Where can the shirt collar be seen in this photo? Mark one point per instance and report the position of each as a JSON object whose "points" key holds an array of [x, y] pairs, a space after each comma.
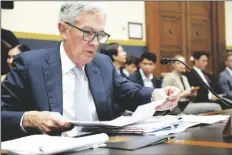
{"points": [[67, 64], [197, 69], [229, 70], [143, 75], [126, 72]]}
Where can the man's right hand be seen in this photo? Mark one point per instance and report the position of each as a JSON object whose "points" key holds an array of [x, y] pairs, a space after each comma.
{"points": [[46, 122]]}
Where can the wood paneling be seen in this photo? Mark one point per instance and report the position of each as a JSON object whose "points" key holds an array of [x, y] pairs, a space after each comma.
{"points": [[170, 6], [185, 27], [170, 31]]}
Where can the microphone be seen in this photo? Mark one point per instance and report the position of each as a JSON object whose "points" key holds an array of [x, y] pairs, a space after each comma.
{"points": [[169, 60]]}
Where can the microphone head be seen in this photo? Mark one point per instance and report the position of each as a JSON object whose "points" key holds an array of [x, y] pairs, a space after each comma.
{"points": [[165, 61]]}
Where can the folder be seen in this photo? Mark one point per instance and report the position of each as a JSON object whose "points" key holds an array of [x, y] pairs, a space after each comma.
{"points": [[135, 142]]}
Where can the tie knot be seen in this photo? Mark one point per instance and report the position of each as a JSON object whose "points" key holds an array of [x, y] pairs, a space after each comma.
{"points": [[77, 71]]}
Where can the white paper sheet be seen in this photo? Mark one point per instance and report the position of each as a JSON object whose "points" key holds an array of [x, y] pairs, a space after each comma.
{"points": [[141, 113], [44, 144]]}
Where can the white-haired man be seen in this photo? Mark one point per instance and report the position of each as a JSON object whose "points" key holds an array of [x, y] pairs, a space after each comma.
{"points": [[70, 81]]}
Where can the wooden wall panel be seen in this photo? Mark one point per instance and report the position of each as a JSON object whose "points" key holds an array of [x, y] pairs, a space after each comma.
{"points": [[185, 27], [200, 8], [170, 6], [170, 31]]}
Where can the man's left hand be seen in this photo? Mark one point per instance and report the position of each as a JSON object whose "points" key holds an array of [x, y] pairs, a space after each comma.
{"points": [[170, 94]]}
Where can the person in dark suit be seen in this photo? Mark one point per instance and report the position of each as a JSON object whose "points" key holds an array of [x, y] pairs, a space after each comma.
{"points": [[130, 66], [116, 53], [225, 77], [200, 64], [8, 41], [71, 81], [178, 79], [12, 53], [144, 76]]}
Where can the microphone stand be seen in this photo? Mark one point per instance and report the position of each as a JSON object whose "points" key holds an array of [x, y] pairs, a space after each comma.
{"points": [[227, 131], [204, 84]]}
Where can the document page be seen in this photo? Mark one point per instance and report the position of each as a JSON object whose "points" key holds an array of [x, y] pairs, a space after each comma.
{"points": [[141, 113], [45, 144]]}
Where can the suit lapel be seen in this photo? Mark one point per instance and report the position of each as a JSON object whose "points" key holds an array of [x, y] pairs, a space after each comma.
{"points": [[97, 90], [230, 79], [178, 82], [140, 79], [53, 81], [154, 82]]}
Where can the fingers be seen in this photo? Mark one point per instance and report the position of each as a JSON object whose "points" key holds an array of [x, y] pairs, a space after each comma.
{"points": [[49, 122], [167, 105], [174, 94]]}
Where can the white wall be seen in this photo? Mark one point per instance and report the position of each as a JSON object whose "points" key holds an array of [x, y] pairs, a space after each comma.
{"points": [[41, 17], [228, 13]]}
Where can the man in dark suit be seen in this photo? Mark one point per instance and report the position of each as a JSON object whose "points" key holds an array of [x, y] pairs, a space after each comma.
{"points": [[116, 53], [200, 64], [8, 41], [47, 87], [144, 76], [225, 77]]}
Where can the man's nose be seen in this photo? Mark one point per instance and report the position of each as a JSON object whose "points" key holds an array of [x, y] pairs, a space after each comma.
{"points": [[94, 42]]}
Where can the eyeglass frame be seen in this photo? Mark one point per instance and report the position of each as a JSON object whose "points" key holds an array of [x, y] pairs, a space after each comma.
{"points": [[85, 31]]}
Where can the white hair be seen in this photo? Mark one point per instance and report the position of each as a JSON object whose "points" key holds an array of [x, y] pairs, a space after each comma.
{"points": [[70, 10]]}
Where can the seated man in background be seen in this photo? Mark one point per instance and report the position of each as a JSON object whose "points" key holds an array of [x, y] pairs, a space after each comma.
{"points": [[12, 53], [185, 105], [200, 63], [71, 81], [144, 75], [130, 66], [8, 41], [116, 53], [225, 77]]}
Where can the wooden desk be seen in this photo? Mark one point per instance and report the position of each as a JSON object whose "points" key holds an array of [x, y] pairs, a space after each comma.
{"points": [[204, 140]]}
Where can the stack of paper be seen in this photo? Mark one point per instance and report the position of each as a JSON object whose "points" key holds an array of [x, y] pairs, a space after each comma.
{"points": [[45, 144], [142, 113], [188, 121], [141, 128]]}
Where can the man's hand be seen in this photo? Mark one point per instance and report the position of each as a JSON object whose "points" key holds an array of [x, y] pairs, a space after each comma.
{"points": [[46, 122], [214, 98], [170, 94]]}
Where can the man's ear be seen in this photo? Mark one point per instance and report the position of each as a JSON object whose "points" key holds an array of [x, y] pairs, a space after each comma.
{"points": [[62, 29]]}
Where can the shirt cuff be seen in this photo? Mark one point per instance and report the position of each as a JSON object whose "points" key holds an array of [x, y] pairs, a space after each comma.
{"points": [[210, 96], [21, 124]]}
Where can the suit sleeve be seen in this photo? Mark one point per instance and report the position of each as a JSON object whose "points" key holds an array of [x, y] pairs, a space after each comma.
{"points": [[128, 94], [225, 85], [13, 100]]}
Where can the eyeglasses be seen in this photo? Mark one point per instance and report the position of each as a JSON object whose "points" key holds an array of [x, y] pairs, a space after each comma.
{"points": [[89, 36]]}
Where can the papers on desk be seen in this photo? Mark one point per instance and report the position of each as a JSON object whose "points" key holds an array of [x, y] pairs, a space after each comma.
{"points": [[141, 128], [45, 144], [188, 121], [142, 113]]}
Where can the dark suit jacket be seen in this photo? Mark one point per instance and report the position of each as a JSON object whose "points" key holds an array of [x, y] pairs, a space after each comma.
{"points": [[225, 81], [202, 94], [137, 78], [35, 83]]}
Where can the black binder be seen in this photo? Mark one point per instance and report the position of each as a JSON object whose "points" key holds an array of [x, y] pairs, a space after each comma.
{"points": [[134, 142]]}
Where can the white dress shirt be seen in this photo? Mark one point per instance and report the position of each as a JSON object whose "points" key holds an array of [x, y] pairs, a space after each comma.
{"points": [[68, 83], [229, 70], [204, 79], [146, 80], [126, 72]]}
